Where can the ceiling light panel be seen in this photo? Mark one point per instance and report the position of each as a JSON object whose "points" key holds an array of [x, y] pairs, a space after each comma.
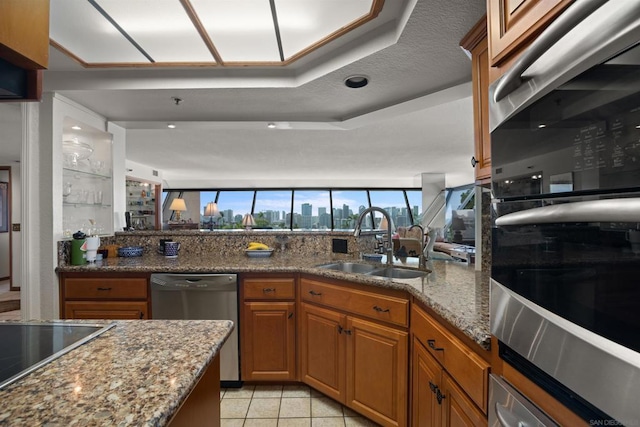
{"points": [[161, 27], [242, 30], [84, 32], [305, 23]]}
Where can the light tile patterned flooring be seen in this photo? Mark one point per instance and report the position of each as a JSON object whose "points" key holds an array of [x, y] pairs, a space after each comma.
{"points": [[284, 406]]}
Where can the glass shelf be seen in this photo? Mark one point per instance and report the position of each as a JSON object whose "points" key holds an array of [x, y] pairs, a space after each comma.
{"points": [[92, 205], [85, 174]]}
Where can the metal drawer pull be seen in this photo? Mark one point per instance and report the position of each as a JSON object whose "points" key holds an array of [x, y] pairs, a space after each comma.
{"points": [[439, 396], [315, 294], [432, 345], [433, 387], [380, 310], [267, 290], [290, 315], [104, 289], [347, 331], [141, 315], [340, 329]]}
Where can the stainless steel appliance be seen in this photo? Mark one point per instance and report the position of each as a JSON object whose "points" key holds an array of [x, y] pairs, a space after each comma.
{"points": [[566, 237], [507, 407], [201, 297]]}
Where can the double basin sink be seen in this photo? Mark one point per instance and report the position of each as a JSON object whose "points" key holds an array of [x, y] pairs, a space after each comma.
{"points": [[375, 270]]}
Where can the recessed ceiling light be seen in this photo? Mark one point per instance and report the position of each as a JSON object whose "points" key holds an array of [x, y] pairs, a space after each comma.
{"points": [[356, 82], [76, 127], [271, 125], [171, 126], [542, 125]]}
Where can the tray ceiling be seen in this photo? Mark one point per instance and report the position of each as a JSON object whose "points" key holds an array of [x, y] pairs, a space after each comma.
{"points": [[125, 33]]}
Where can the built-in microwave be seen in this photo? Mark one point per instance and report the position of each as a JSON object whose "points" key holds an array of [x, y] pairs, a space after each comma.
{"points": [[565, 148]]}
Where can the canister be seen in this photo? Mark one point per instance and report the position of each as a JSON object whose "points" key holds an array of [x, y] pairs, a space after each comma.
{"points": [[79, 251]]}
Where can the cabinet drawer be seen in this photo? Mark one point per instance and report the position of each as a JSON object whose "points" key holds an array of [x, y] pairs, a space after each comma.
{"points": [[465, 366], [106, 310], [105, 288], [269, 288], [380, 307]]}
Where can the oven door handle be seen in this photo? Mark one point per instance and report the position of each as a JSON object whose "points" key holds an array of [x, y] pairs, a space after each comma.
{"points": [[506, 418], [606, 210], [574, 14]]}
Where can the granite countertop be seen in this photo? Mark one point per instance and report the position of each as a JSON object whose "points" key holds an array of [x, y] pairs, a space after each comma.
{"points": [[453, 289], [135, 374]]}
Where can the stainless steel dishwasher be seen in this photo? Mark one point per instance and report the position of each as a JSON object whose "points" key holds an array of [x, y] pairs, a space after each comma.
{"points": [[201, 297]]}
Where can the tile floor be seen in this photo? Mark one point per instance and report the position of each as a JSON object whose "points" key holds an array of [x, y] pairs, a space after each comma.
{"points": [[284, 406]]}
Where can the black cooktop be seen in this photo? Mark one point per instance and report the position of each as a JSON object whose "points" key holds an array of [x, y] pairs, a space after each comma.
{"points": [[25, 347]]}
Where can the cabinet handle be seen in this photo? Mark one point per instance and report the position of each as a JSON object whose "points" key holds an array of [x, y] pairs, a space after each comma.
{"points": [[340, 329], [104, 289], [315, 294], [347, 331], [432, 345], [432, 387], [141, 315], [290, 315], [380, 310], [474, 162], [267, 290], [439, 396]]}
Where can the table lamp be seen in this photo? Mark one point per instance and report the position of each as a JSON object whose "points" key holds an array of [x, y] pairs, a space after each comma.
{"points": [[248, 221], [211, 210], [178, 205]]}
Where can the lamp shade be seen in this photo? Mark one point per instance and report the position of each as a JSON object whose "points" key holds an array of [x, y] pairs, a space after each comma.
{"points": [[211, 209], [178, 205], [248, 221], [384, 224]]}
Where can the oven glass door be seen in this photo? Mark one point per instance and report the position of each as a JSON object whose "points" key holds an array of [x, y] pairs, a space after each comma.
{"points": [[584, 272], [583, 136]]}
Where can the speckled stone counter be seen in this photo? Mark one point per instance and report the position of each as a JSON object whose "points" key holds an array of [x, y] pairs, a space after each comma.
{"points": [[136, 374], [454, 290]]}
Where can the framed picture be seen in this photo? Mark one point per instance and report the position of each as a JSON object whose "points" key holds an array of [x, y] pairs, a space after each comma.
{"points": [[4, 207]]}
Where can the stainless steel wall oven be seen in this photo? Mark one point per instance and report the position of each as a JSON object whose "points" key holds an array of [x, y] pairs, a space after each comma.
{"points": [[565, 301]]}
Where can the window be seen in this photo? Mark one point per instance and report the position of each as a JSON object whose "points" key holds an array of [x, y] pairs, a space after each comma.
{"points": [[272, 209], [460, 215], [311, 210], [347, 205], [233, 205], [304, 209]]}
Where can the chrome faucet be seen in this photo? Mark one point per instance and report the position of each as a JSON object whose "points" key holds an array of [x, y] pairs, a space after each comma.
{"points": [[363, 214]]}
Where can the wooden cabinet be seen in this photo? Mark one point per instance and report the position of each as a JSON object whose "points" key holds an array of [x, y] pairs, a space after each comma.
{"points": [[475, 42], [449, 380], [357, 361], [323, 350], [513, 23], [268, 328], [426, 375], [104, 296]]}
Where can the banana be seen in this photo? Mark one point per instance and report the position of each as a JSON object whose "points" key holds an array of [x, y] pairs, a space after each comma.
{"points": [[257, 246]]}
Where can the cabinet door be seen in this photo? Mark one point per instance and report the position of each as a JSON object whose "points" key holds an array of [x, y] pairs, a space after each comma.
{"points": [[426, 380], [514, 22], [322, 350], [268, 341], [106, 310], [459, 410], [377, 371], [480, 82]]}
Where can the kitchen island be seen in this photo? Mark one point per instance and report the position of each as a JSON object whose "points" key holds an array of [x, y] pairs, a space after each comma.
{"points": [[139, 373]]}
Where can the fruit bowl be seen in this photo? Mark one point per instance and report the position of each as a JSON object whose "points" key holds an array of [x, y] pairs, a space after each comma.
{"points": [[258, 253]]}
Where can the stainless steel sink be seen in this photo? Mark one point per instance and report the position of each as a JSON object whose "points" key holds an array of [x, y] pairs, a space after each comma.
{"points": [[375, 270], [398, 273], [350, 267]]}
